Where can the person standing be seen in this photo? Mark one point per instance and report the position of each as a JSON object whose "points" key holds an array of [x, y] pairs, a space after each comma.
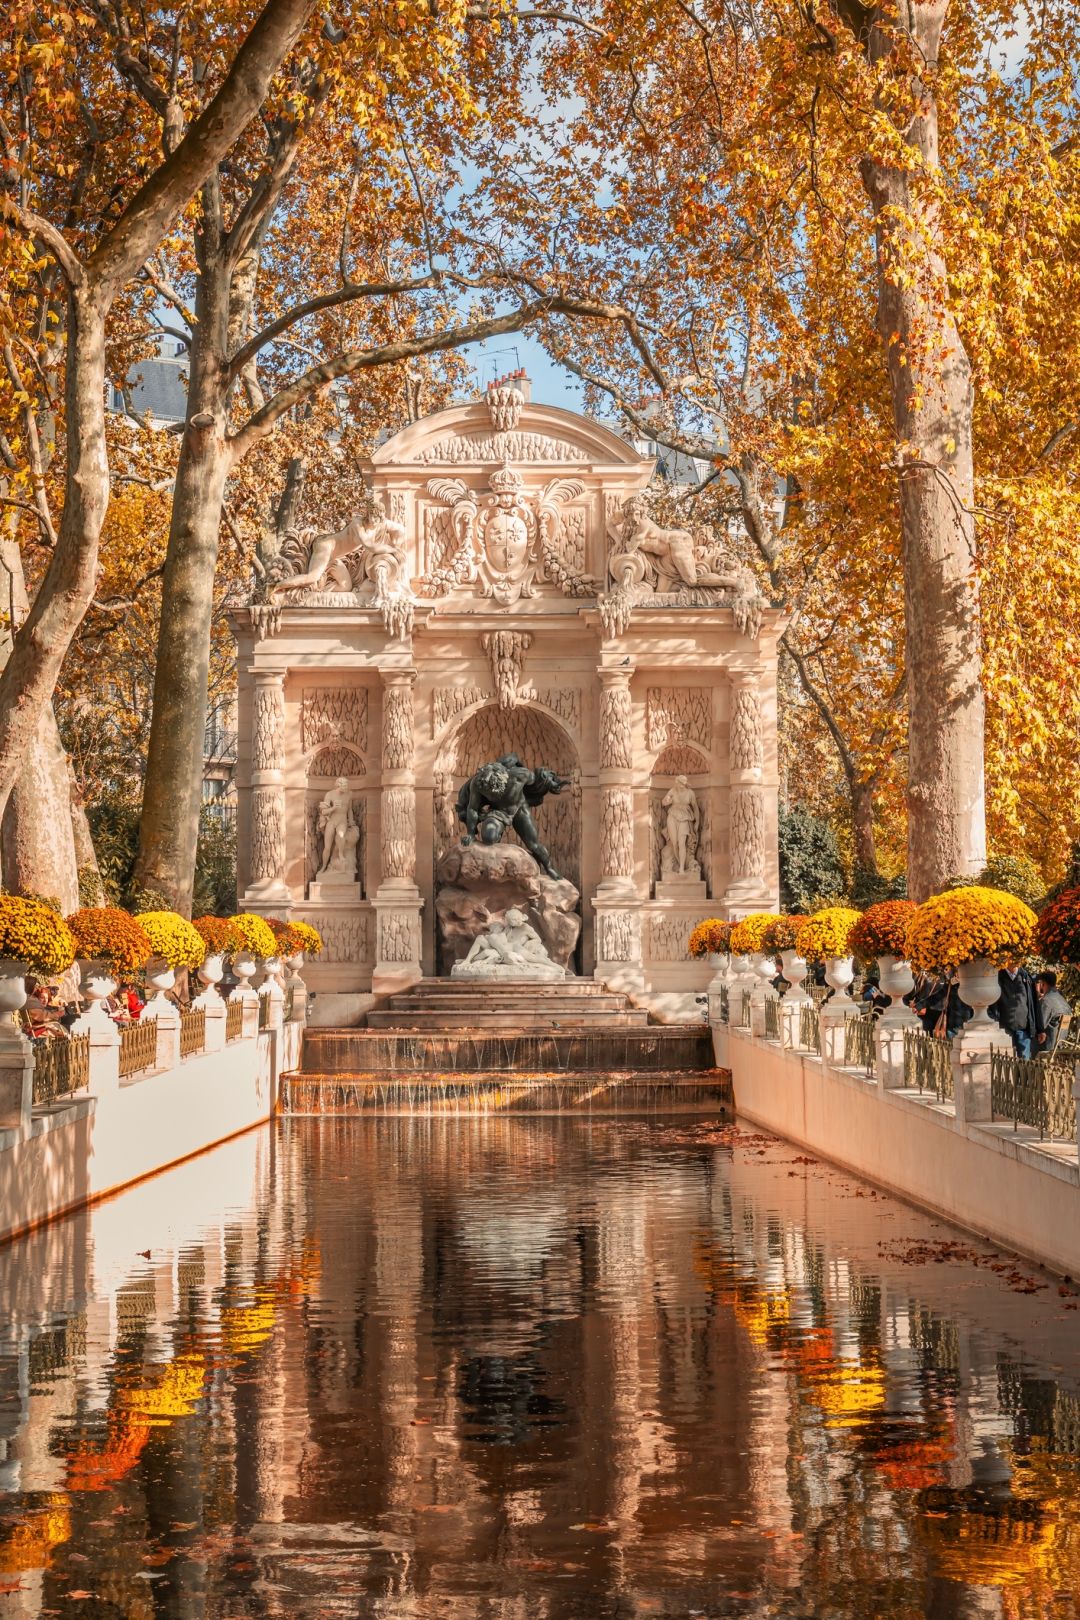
{"points": [[1052, 1005], [1018, 1010]]}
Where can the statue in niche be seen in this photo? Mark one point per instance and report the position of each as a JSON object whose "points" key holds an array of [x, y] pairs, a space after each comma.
{"points": [[340, 834], [504, 794], [510, 948], [682, 825]]}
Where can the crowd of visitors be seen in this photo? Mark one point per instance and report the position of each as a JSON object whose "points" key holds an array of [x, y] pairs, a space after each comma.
{"points": [[1030, 1009], [47, 1016]]}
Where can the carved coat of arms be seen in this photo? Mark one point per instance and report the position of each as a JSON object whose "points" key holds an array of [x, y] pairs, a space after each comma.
{"points": [[507, 535]]}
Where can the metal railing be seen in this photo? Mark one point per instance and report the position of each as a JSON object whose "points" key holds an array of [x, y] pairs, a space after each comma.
{"points": [[1035, 1092], [234, 1020], [860, 1051], [61, 1067], [264, 1012], [810, 1027], [928, 1064], [772, 1018], [192, 1031], [744, 1010], [138, 1047]]}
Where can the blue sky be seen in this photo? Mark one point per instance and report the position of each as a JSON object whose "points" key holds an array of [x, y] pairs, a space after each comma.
{"points": [[552, 385]]}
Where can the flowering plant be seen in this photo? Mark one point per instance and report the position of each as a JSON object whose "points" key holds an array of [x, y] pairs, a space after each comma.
{"points": [[107, 934], [1057, 937], [711, 937], [882, 930], [173, 938], [33, 933], [299, 938], [962, 925], [827, 934], [748, 935], [781, 934], [218, 935], [255, 935]]}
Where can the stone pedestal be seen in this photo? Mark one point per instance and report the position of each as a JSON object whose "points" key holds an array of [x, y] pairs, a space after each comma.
{"points": [[477, 884], [791, 1022], [329, 891], [971, 1051], [684, 887], [16, 1080], [833, 1019], [889, 1044], [397, 937]]}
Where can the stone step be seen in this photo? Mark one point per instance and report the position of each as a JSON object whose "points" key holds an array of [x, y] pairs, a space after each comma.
{"points": [[585, 988], [506, 1003], [599, 1049], [496, 1017], [707, 1091]]}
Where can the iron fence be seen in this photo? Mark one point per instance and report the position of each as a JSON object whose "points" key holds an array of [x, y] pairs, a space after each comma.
{"points": [[928, 1064], [234, 1020], [61, 1067], [744, 1010], [725, 1005], [772, 1018], [1035, 1092], [264, 1012], [810, 1027], [859, 1048], [138, 1047], [192, 1031]]}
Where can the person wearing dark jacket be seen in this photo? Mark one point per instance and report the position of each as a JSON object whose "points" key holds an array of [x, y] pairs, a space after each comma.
{"points": [[1018, 1010], [940, 1008]]}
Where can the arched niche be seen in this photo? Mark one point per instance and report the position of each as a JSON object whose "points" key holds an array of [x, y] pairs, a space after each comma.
{"points": [[537, 739], [679, 759]]}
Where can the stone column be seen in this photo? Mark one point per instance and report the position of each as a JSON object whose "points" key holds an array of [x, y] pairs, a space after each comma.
{"points": [[617, 903], [397, 900], [747, 861], [266, 886]]}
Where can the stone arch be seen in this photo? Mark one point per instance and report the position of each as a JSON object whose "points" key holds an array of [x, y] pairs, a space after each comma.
{"points": [[332, 759], [679, 759], [536, 736]]}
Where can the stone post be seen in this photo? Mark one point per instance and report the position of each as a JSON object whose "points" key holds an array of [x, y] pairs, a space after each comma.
{"points": [[617, 904], [16, 1078], [216, 1013], [104, 1061], [397, 900], [747, 855], [166, 1015], [266, 873], [889, 1044], [250, 999], [833, 1040], [971, 1051]]}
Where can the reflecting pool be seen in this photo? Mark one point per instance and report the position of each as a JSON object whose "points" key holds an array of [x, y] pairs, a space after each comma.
{"points": [[530, 1369]]}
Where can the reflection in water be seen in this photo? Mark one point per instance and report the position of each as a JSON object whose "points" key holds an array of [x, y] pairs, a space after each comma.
{"points": [[529, 1369]]}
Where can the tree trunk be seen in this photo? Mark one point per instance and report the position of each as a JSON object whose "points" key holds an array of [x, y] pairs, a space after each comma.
{"points": [[169, 826], [36, 837], [932, 399], [862, 827], [33, 664], [37, 846]]}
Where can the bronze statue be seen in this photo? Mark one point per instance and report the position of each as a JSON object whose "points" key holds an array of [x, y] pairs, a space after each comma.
{"points": [[504, 794]]}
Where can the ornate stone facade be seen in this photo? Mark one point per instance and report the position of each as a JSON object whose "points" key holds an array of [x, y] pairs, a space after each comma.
{"points": [[506, 590]]}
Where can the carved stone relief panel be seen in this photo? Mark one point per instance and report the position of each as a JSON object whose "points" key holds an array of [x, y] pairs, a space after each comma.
{"points": [[669, 936], [397, 726], [616, 832], [346, 935], [460, 448], [616, 736], [267, 834], [399, 936], [439, 538], [268, 731], [313, 838], [399, 832], [506, 649], [336, 759], [618, 936], [745, 743], [334, 714], [747, 833], [447, 702], [678, 714]]}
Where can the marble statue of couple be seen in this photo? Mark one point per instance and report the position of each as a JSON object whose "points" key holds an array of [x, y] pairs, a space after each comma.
{"points": [[509, 944]]}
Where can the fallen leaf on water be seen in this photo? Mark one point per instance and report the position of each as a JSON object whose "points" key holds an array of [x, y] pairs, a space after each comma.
{"points": [[593, 1525], [419, 1423], [79, 1593]]}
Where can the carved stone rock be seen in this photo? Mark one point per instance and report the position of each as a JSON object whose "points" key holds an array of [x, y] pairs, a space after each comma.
{"points": [[616, 736], [745, 744], [747, 833], [616, 833], [267, 835], [481, 882], [678, 714]]}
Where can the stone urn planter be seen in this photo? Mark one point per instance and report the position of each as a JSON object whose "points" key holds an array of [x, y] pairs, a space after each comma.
{"points": [[98, 984], [273, 970], [13, 976], [794, 968], [839, 972], [765, 968], [979, 988], [212, 971], [160, 978], [896, 980], [244, 966]]}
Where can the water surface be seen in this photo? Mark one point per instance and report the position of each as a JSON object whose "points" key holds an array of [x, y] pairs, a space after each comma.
{"points": [[530, 1369]]}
